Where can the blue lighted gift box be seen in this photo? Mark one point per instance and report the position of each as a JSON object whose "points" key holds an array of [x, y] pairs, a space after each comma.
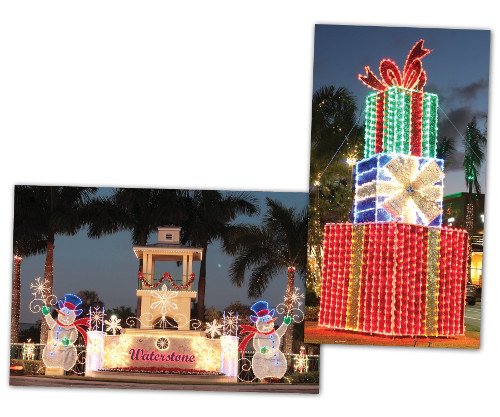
{"points": [[400, 188]]}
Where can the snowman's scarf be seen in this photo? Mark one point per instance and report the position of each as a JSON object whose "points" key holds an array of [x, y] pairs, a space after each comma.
{"points": [[78, 324], [252, 331]]}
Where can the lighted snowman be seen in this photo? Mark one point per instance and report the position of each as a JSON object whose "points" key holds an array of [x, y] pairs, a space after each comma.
{"points": [[268, 361], [60, 350]]}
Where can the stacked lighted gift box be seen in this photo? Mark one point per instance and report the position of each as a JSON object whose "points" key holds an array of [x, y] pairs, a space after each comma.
{"points": [[395, 271]]}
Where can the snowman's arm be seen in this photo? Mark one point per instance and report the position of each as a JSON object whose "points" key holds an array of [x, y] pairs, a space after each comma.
{"points": [[256, 344], [50, 321], [73, 335], [282, 330]]}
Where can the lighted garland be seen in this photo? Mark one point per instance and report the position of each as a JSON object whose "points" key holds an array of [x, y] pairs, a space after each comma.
{"points": [[159, 370], [166, 276]]}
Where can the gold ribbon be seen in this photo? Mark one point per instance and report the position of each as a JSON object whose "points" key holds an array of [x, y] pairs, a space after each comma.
{"points": [[354, 291]]}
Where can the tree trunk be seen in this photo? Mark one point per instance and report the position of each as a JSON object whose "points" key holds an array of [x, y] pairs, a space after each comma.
{"points": [[48, 276], [200, 307], [16, 300], [290, 287]]}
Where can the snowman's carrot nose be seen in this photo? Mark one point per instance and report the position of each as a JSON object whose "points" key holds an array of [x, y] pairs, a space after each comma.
{"points": [[273, 320], [60, 312]]}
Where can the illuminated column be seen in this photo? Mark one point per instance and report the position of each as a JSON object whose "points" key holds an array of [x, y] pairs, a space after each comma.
{"points": [[190, 264], [152, 268], [184, 269], [94, 353], [229, 356]]}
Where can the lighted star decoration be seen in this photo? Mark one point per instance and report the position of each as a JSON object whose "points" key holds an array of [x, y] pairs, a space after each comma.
{"points": [[39, 288], [166, 300], [413, 190], [96, 317], [113, 324], [213, 329], [230, 323]]}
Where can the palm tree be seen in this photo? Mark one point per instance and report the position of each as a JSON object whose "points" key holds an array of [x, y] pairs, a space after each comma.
{"points": [[25, 244], [51, 211], [123, 313], [278, 245], [336, 143], [445, 150], [139, 210], [474, 155], [474, 144], [89, 299], [209, 217]]}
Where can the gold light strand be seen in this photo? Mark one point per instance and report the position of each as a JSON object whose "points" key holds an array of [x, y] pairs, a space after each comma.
{"points": [[353, 297]]}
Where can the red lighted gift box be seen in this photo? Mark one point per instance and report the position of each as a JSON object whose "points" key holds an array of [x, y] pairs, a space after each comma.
{"points": [[394, 279]]}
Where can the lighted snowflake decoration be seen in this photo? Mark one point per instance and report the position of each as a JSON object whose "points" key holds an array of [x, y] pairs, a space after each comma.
{"points": [[116, 355], [28, 350], [113, 324], [166, 300], [213, 329], [162, 343], [230, 323], [96, 317], [295, 297], [207, 357], [39, 288]]}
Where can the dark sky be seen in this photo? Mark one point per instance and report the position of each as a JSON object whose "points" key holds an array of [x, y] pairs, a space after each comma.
{"points": [[109, 267], [457, 70]]}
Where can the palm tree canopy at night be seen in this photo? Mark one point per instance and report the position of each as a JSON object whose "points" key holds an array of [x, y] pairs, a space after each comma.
{"points": [[45, 212], [268, 250], [474, 144], [209, 217]]}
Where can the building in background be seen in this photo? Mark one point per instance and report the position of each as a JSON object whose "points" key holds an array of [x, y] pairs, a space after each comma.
{"points": [[454, 209]]}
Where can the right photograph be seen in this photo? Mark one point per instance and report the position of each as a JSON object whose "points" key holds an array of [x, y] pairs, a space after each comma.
{"points": [[397, 186]]}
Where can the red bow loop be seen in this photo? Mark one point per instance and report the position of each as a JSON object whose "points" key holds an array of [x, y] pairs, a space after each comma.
{"points": [[390, 73], [417, 52], [371, 80]]}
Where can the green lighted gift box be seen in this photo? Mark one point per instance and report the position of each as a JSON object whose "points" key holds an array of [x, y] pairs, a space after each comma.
{"points": [[399, 120]]}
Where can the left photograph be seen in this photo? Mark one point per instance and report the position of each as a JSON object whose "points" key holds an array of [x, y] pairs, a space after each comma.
{"points": [[160, 289]]}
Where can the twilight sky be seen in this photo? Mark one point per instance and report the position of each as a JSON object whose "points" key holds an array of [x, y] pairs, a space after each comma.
{"points": [[457, 70], [109, 267]]}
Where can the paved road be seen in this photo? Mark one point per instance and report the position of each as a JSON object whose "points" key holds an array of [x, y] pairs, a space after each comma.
{"points": [[473, 315], [43, 381]]}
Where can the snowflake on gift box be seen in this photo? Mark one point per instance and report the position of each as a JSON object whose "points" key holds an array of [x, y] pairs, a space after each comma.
{"points": [[213, 329], [166, 300], [113, 324]]}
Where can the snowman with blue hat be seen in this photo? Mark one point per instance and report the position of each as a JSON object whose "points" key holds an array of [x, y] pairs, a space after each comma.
{"points": [[60, 350], [268, 361]]}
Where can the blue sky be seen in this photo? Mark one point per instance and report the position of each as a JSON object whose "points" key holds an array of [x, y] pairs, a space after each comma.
{"points": [[457, 70]]}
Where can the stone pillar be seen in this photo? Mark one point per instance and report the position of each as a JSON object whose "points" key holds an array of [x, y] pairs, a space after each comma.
{"points": [[94, 353], [229, 356]]}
